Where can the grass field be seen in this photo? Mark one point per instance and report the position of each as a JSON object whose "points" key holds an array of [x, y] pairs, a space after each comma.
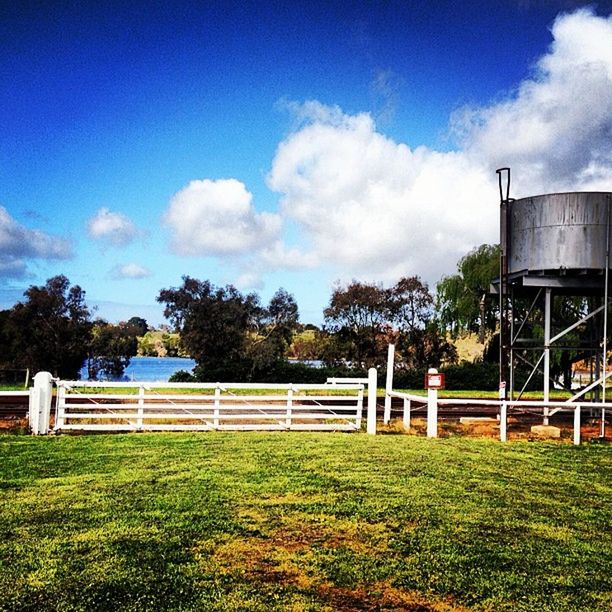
{"points": [[294, 521]]}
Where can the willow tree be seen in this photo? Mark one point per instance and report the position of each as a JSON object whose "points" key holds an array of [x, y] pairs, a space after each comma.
{"points": [[462, 300]]}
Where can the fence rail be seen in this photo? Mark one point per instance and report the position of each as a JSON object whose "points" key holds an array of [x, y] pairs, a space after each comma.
{"points": [[207, 406], [431, 402]]}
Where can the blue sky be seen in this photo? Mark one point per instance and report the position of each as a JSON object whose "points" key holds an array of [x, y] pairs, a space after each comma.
{"points": [[289, 144]]}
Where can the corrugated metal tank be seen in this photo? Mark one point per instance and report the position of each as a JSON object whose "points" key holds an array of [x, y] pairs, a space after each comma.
{"points": [[558, 231]]}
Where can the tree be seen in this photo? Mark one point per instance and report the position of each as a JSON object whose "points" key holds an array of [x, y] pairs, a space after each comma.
{"points": [[50, 330], [357, 315], [139, 325], [111, 349], [364, 319], [461, 298], [411, 304], [226, 332], [278, 323], [212, 321]]}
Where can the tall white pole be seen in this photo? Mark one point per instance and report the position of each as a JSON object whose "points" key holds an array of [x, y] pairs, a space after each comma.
{"points": [[602, 431], [389, 382]]}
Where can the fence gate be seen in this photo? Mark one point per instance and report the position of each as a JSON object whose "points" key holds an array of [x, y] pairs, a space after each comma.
{"points": [[107, 406]]}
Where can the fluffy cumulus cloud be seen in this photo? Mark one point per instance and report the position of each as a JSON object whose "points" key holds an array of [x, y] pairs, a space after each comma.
{"points": [[130, 271], [217, 217], [111, 228], [556, 129], [18, 244], [363, 205], [375, 207], [378, 209]]}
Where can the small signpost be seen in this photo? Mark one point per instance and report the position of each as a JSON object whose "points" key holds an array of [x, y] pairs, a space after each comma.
{"points": [[434, 380]]}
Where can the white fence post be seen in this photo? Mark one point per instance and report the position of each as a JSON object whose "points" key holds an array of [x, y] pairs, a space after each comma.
{"points": [[503, 413], [217, 410], [141, 401], [359, 414], [432, 409], [372, 386], [406, 414], [289, 407], [577, 425], [389, 382], [40, 403], [60, 402]]}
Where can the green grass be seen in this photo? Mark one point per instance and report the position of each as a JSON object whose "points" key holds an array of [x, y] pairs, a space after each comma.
{"points": [[555, 394], [291, 521], [11, 387]]}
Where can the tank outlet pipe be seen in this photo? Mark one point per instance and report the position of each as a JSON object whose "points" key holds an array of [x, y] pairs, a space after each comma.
{"points": [[605, 338], [503, 175]]}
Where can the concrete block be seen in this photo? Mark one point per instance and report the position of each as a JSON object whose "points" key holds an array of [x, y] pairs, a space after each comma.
{"points": [[478, 421], [546, 431]]}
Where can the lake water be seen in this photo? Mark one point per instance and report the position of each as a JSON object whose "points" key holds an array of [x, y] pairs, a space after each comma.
{"points": [[152, 369]]}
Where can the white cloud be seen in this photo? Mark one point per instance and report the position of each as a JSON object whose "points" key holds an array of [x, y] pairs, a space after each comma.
{"points": [[555, 131], [277, 256], [375, 208], [249, 280], [18, 243], [384, 91], [365, 206], [217, 218], [111, 227], [130, 271]]}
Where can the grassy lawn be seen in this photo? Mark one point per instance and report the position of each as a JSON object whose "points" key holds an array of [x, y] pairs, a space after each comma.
{"points": [[291, 521]]}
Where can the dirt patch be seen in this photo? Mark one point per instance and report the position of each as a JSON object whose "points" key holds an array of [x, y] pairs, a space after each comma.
{"points": [[287, 556], [381, 597], [15, 424]]}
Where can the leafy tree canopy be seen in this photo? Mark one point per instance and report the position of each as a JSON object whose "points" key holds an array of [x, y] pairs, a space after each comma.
{"points": [[111, 349], [226, 331], [50, 330], [139, 325], [364, 318], [461, 300]]}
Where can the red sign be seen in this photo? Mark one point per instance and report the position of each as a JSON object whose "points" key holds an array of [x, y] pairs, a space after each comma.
{"points": [[434, 381]]}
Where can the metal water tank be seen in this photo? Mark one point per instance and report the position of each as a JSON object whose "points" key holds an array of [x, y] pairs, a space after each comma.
{"points": [[558, 232]]}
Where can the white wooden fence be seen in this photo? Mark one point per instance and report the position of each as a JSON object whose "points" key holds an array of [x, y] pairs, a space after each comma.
{"points": [[106, 406], [430, 402], [419, 401]]}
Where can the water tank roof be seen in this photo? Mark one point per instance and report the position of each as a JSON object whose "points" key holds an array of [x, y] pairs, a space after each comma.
{"points": [[559, 234]]}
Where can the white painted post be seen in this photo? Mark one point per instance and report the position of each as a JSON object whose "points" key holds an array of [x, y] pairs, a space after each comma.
{"points": [[141, 399], [60, 407], [40, 403], [503, 413], [406, 414], [33, 402], [359, 409], [432, 409], [577, 425], [217, 406], [389, 382], [289, 407], [372, 386]]}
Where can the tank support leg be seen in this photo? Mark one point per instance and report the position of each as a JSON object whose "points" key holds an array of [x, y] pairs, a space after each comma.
{"points": [[547, 316]]}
